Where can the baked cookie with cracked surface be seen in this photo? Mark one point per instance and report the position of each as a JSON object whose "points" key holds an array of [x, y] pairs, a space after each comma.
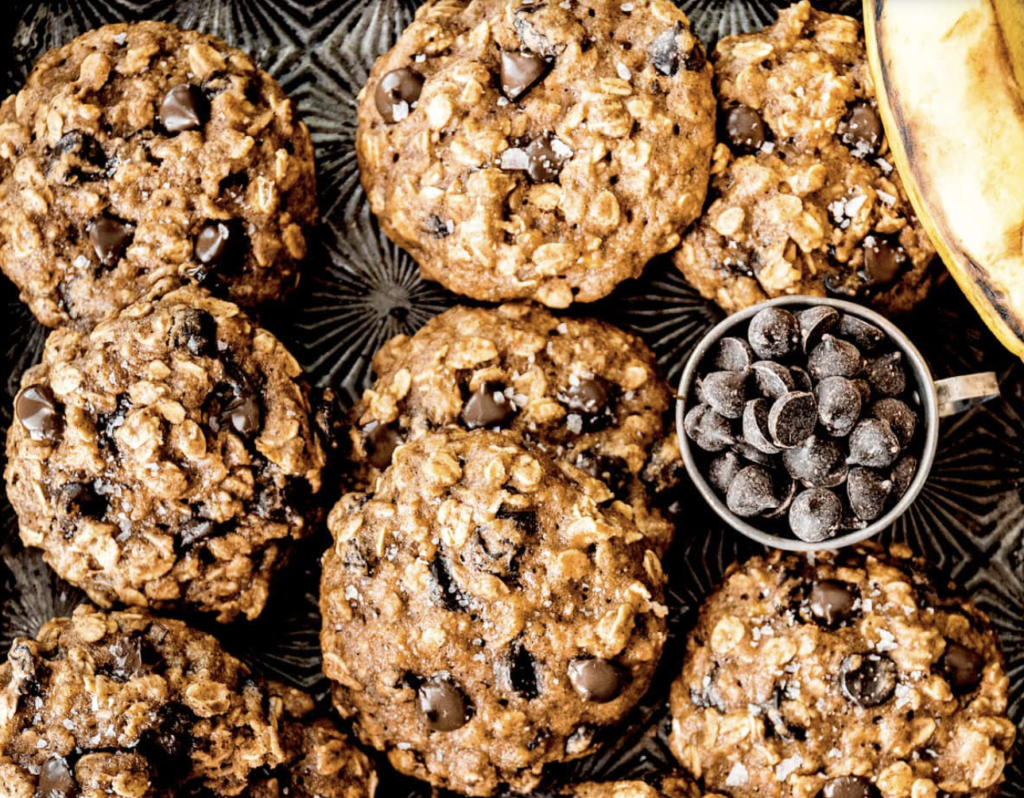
{"points": [[125, 704], [586, 392], [483, 615], [538, 150], [850, 675], [804, 198], [167, 458], [141, 157]]}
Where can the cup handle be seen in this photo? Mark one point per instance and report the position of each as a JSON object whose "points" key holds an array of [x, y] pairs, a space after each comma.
{"points": [[957, 394]]}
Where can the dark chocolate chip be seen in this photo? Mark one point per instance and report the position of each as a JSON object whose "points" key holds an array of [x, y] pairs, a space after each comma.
{"points": [[785, 490], [897, 415], [379, 443], [751, 454], [862, 130], [755, 426], [219, 242], [56, 779], [849, 787], [445, 591], [82, 499], [839, 405], [772, 379], [865, 335], [744, 129], [110, 237], [80, 157], [792, 419], [396, 94], [166, 746], [726, 392], [443, 705], [613, 471], [519, 71], [706, 428], [815, 515], [37, 411], [597, 680], [664, 51], [488, 406], [886, 375], [873, 444], [184, 108], [814, 323], [194, 329], [723, 470], [882, 260], [868, 680], [591, 399], [963, 668], [833, 602], [868, 492], [834, 357], [865, 391], [193, 531], [522, 672], [801, 379], [752, 492], [126, 658], [774, 333], [902, 475], [817, 462], [545, 157], [731, 354], [242, 414]]}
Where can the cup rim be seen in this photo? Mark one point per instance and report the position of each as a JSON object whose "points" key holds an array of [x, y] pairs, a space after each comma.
{"points": [[925, 388]]}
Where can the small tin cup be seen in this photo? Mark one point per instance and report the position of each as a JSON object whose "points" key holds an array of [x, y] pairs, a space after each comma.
{"points": [[938, 398]]}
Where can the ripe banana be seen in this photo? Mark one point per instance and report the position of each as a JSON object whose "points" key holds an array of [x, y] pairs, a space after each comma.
{"points": [[948, 77]]}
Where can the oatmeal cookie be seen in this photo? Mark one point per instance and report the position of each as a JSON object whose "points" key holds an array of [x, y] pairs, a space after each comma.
{"points": [[125, 704], [538, 150], [167, 458], [657, 786], [587, 393], [849, 674], [142, 157], [804, 198], [483, 615]]}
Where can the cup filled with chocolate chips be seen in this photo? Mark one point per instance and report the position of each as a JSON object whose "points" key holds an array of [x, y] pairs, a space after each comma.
{"points": [[811, 423]]}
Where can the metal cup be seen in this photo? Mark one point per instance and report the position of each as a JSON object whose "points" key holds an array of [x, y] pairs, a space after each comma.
{"points": [[938, 398]]}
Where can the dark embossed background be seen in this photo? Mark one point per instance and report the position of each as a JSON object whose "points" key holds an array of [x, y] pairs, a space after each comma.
{"points": [[361, 289]]}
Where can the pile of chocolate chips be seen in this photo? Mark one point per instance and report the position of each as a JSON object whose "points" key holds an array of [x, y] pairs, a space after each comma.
{"points": [[811, 417]]}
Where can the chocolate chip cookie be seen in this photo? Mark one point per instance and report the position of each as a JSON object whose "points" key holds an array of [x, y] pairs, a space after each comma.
{"points": [[538, 150], [129, 705], [483, 615], [142, 157], [850, 674], [584, 391], [804, 198], [165, 459], [658, 786]]}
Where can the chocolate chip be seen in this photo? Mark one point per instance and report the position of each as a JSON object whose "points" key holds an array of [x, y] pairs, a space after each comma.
{"points": [[695, 60], [443, 705], [590, 398], [744, 129], [839, 405], [126, 658], [81, 499], [752, 493], [545, 158], [785, 490], [751, 454], [663, 51], [849, 787], [522, 672], [110, 237], [867, 492], [597, 680], [755, 426], [886, 375], [864, 334], [832, 602], [792, 419], [772, 379], [166, 745], [379, 443], [774, 333], [78, 156], [726, 392], [818, 462], [963, 668], [242, 413], [488, 407], [613, 471], [706, 428], [815, 515], [814, 323], [865, 391], [898, 416], [902, 475], [834, 357], [445, 591], [193, 531], [56, 779], [396, 94], [194, 329], [801, 379], [873, 444], [219, 242], [519, 71], [184, 108], [723, 470], [862, 130], [882, 261], [37, 411], [731, 354], [868, 680]]}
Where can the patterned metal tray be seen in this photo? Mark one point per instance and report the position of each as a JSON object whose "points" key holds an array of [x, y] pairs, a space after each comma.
{"points": [[361, 289]]}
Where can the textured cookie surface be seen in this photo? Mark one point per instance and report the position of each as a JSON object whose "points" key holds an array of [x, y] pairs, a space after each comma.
{"points": [[852, 675], [584, 391], [541, 150], [675, 786], [166, 459], [804, 198], [125, 704], [141, 156], [483, 616]]}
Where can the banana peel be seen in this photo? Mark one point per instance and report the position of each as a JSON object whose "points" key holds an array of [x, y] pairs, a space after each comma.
{"points": [[948, 77]]}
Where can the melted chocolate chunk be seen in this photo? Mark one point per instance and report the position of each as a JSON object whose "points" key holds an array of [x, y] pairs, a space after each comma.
{"points": [[849, 787], [82, 155], [195, 330], [591, 399], [664, 51], [81, 499], [110, 237], [883, 260], [168, 744], [126, 659], [242, 414], [963, 668], [37, 410], [545, 158], [396, 94], [832, 602], [862, 131], [219, 243], [613, 471], [444, 590], [488, 407], [520, 71], [522, 672], [869, 680], [443, 705], [744, 129], [56, 779], [597, 680], [184, 108]]}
